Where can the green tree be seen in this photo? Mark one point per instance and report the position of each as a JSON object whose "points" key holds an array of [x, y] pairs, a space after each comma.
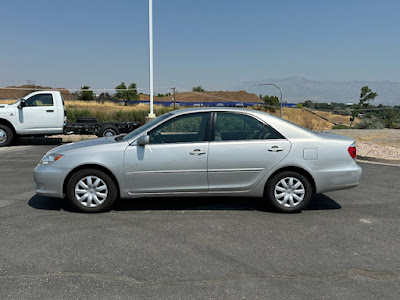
{"points": [[104, 97], [197, 89], [308, 104], [271, 100], [366, 96], [86, 94], [127, 94]]}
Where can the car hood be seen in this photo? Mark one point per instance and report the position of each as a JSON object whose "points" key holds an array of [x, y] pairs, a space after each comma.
{"points": [[6, 107], [85, 144]]}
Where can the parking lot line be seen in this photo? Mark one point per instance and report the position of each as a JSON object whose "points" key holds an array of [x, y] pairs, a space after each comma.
{"points": [[13, 149]]}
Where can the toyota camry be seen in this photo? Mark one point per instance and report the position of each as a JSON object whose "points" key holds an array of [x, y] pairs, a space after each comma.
{"points": [[202, 152]]}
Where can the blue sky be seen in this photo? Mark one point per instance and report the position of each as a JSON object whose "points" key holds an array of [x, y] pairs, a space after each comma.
{"points": [[216, 44]]}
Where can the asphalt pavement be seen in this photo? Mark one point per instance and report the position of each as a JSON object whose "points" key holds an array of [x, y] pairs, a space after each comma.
{"points": [[346, 245]]}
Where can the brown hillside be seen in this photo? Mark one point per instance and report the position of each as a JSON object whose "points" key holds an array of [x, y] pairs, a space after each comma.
{"points": [[17, 92], [217, 96]]}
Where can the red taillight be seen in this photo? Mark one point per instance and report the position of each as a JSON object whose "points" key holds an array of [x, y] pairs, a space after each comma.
{"points": [[352, 151]]}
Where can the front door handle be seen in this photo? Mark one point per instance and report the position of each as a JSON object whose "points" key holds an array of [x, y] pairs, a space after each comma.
{"points": [[275, 149], [50, 110], [197, 152]]}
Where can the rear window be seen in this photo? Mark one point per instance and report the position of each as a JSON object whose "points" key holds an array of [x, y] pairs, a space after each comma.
{"points": [[62, 99]]}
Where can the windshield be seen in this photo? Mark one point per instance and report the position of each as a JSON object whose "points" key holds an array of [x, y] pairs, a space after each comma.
{"points": [[145, 127]]}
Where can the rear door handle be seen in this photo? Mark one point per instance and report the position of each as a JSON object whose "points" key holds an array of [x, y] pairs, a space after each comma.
{"points": [[275, 149], [50, 110], [197, 152]]}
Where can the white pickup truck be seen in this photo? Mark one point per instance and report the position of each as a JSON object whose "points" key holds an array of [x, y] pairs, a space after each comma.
{"points": [[43, 113]]}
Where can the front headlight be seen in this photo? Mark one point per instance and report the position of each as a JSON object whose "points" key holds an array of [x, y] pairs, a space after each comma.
{"points": [[49, 158]]}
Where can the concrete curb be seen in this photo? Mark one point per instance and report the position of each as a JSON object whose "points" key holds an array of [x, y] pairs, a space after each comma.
{"points": [[378, 160]]}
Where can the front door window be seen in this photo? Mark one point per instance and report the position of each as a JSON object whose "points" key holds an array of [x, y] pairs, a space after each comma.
{"points": [[182, 129]]}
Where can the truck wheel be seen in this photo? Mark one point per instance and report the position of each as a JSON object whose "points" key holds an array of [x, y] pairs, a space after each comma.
{"points": [[6, 136], [108, 130], [91, 191]]}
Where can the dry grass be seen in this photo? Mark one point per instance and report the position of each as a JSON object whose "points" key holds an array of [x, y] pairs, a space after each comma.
{"points": [[339, 119], [108, 106], [7, 101], [304, 118]]}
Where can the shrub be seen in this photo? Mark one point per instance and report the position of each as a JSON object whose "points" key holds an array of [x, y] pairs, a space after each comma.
{"points": [[370, 123]]}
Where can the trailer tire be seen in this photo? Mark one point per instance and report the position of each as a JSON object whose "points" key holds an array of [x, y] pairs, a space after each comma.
{"points": [[108, 130], [6, 136]]}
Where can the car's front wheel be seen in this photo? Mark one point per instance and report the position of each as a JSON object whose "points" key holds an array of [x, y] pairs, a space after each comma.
{"points": [[289, 191], [6, 136], [91, 191]]}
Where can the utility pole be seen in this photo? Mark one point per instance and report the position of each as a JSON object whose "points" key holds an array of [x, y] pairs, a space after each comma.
{"points": [[151, 114], [173, 96]]}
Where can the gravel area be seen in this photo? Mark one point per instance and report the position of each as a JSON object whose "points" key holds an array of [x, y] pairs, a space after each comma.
{"points": [[384, 144]]}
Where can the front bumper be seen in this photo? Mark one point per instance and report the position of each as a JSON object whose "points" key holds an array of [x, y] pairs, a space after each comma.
{"points": [[49, 181]]}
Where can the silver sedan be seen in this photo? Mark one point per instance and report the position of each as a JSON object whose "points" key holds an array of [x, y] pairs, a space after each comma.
{"points": [[202, 152]]}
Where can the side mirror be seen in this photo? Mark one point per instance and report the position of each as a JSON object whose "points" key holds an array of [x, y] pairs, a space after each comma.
{"points": [[22, 104], [143, 140]]}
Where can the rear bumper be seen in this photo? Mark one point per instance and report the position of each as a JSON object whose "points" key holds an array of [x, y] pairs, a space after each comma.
{"points": [[337, 179]]}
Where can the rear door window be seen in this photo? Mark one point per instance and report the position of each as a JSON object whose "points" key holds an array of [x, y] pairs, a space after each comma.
{"points": [[238, 127]]}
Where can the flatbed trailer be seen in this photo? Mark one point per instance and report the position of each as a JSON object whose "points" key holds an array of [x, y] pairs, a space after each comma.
{"points": [[85, 125]]}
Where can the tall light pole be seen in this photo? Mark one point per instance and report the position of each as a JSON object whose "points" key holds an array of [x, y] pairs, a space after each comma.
{"points": [[173, 97], [151, 114], [280, 114]]}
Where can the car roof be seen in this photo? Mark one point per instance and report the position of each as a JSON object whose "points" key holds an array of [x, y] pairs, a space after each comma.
{"points": [[260, 114], [216, 109]]}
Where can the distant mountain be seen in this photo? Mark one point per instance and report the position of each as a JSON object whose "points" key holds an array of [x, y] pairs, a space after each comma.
{"points": [[298, 89]]}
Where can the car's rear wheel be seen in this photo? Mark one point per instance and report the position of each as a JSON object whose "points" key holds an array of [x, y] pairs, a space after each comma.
{"points": [[289, 192], [91, 190]]}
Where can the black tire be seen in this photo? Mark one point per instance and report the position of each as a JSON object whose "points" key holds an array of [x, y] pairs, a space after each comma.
{"points": [[6, 136], [106, 191], [108, 130], [276, 192]]}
